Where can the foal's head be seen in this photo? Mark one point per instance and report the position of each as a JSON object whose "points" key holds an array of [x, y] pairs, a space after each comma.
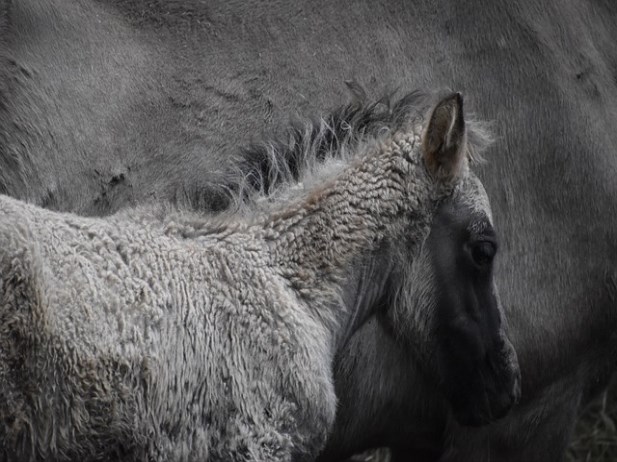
{"points": [[444, 304], [437, 296]]}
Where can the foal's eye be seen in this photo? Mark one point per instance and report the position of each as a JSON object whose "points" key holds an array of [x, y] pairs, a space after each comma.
{"points": [[483, 252]]}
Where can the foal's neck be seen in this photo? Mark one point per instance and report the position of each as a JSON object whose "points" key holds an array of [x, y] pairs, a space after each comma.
{"points": [[316, 239]]}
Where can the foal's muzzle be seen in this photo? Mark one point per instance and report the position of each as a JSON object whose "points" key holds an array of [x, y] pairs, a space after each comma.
{"points": [[494, 390]]}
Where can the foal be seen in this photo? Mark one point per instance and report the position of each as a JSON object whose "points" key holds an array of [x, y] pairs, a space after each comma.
{"points": [[181, 337]]}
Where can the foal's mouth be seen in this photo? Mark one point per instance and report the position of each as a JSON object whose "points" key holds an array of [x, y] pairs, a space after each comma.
{"points": [[492, 400]]}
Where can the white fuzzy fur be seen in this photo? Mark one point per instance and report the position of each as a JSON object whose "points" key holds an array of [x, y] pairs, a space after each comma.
{"points": [[189, 338]]}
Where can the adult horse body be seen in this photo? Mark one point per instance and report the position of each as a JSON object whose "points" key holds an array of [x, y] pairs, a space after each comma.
{"points": [[105, 103]]}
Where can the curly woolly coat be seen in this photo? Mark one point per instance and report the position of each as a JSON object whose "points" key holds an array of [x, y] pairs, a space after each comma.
{"points": [[185, 338]]}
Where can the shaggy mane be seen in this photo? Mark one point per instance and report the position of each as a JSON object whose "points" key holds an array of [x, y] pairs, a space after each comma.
{"points": [[308, 150], [275, 171]]}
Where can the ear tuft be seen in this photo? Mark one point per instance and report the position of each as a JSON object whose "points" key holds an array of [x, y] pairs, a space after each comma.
{"points": [[444, 138]]}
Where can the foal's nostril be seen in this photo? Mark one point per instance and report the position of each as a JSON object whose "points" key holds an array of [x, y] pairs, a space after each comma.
{"points": [[506, 388], [509, 394], [516, 391]]}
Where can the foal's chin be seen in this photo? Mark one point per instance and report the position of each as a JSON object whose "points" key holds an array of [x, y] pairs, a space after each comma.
{"points": [[484, 409], [486, 392]]}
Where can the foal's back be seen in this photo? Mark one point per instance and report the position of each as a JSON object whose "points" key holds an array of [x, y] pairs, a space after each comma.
{"points": [[156, 341]]}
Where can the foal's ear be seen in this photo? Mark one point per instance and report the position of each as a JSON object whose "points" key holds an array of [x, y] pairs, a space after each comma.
{"points": [[444, 140]]}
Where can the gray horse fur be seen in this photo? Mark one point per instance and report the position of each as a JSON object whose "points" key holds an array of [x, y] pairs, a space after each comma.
{"points": [[168, 335], [109, 103]]}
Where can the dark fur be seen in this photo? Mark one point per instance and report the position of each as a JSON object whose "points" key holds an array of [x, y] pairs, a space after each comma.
{"points": [[347, 124], [108, 103]]}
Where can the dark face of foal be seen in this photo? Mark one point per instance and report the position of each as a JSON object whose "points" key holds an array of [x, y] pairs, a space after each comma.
{"points": [[476, 365]]}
